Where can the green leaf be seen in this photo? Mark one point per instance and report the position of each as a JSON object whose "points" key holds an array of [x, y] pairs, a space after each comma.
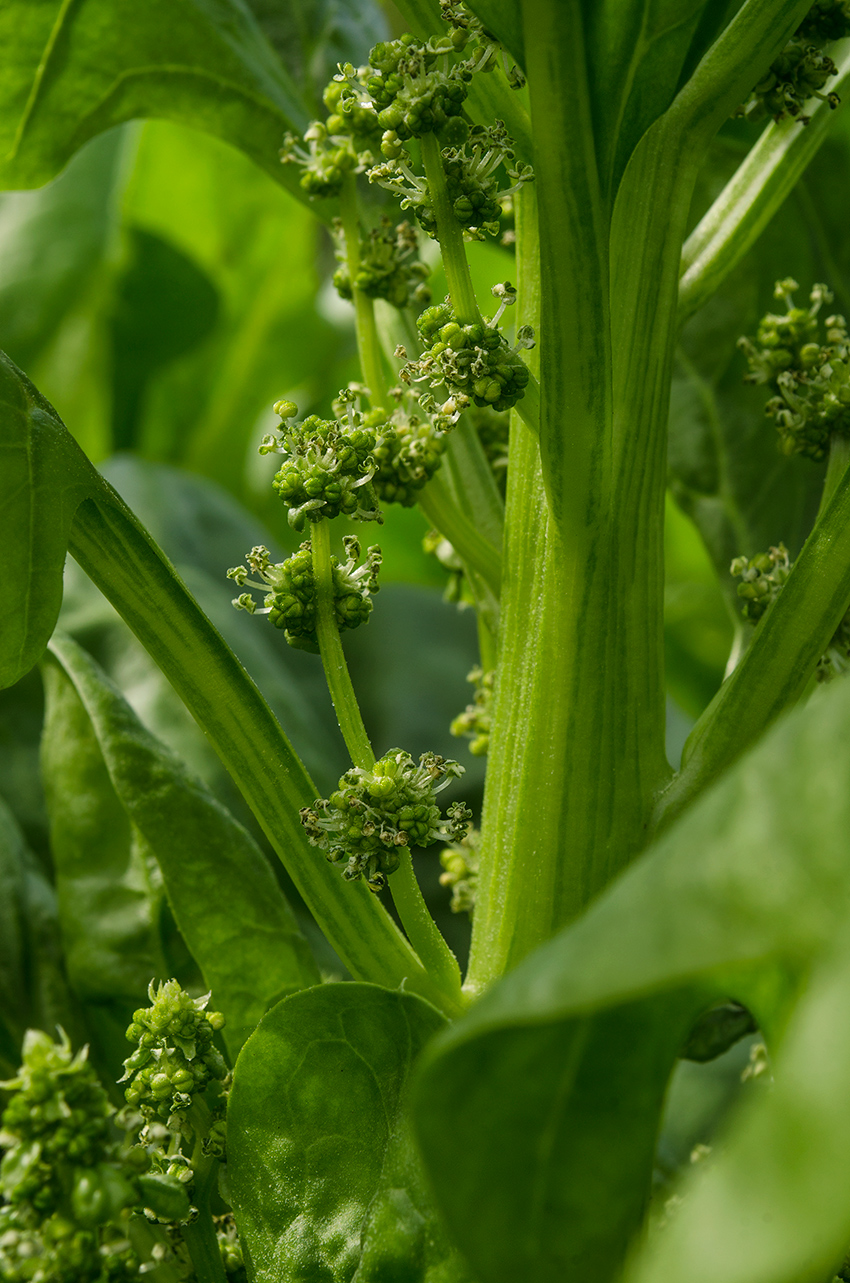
{"points": [[774, 1201], [232, 914], [735, 901], [312, 36], [71, 70], [107, 890], [321, 1164], [125, 563], [43, 479], [34, 989]]}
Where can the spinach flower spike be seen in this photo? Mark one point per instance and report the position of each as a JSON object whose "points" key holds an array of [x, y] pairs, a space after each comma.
{"points": [[801, 70], [290, 590], [175, 1058], [762, 579], [390, 267], [474, 362], [375, 812], [329, 465], [810, 377]]}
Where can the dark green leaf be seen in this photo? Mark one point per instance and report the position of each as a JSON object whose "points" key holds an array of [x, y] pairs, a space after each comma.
{"points": [[313, 36], [70, 71], [107, 888], [34, 990], [325, 1180], [43, 479], [231, 912], [734, 902], [53, 243]]}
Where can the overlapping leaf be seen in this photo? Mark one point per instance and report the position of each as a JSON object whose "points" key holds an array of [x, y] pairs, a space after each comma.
{"points": [[324, 1175], [132, 800], [737, 900]]}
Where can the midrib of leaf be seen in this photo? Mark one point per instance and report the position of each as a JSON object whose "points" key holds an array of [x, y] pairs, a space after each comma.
{"points": [[40, 73]]}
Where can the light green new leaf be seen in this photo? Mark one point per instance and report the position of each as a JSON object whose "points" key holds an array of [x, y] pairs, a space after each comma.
{"points": [[71, 70], [736, 900], [43, 480], [322, 1170], [232, 914]]}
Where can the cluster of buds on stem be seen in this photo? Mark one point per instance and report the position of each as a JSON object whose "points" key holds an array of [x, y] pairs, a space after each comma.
{"points": [[474, 362], [762, 579], [460, 872], [810, 377], [474, 721], [290, 590], [175, 1059], [390, 267], [374, 813], [801, 70]]}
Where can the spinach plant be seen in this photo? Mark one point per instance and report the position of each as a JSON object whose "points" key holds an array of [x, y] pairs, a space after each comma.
{"points": [[408, 1122]]}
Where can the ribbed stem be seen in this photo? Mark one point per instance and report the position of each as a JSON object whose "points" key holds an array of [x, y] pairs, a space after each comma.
{"points": [[422, 930]]}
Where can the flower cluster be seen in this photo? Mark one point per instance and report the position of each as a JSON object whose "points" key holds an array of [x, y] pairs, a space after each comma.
{"points": [[410, 448], [801, 70], [328, 467], [460, 872], [827, 20], [762, 578], [290, 590], [324, 158], [471, 160], [63, 1175], [390, 267], [474, 721], [373, 813], [415, 86], [810, 378], [175, 1058], [475, 362]]}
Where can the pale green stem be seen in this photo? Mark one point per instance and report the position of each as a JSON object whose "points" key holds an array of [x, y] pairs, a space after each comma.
{"points": [[449, 234], [368, 344], [336, 670], [422, 931]]}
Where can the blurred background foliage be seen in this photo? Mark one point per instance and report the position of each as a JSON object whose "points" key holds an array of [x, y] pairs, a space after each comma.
{"points": [[163, 292]]}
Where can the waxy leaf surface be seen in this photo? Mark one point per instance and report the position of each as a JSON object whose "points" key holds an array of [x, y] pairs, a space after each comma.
{"points": [[324, 1175]]}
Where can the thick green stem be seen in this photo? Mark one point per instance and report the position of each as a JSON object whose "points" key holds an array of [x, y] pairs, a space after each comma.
{"points": [[839, 457], [449, 234], [333, 659], [199, 1235], [368, 343]]}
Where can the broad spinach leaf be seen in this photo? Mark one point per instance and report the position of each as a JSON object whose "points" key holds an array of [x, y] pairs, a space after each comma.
{"points": [[738, 900], [226, 902], [70, 71], [322, 1168]]}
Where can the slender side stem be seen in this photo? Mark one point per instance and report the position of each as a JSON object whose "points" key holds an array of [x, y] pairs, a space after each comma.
{"points": [[333, 659], [368, 344], [471, 546], [422, 930], [777, 666], [449, 234], [199, 1235], [752, 196]]}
